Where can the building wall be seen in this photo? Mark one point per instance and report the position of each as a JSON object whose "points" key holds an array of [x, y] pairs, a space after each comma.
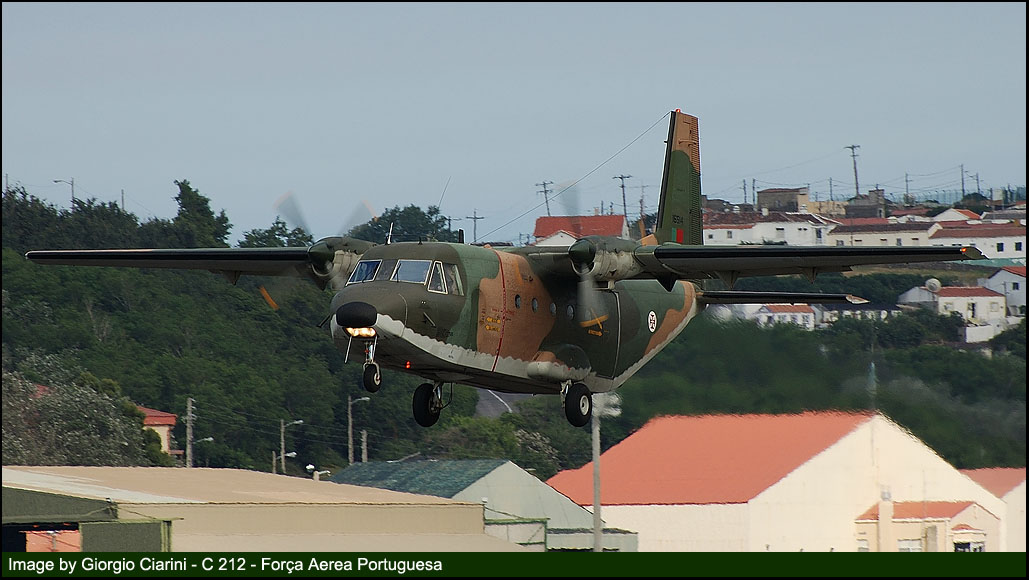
{"points": [[994, 247], [1012, 286], [1014, 502], [683, 528], [885, 237], [979, 309], [933, 534]]}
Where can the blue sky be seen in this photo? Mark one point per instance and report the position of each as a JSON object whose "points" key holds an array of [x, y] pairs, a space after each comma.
{"points": [[388, 103]]}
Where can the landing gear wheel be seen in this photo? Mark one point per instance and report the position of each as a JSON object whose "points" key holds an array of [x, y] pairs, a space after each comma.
{"points": [[372, 378], [578, 405], [427, 405]]}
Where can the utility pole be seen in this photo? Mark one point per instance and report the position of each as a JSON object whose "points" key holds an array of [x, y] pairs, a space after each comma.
{"points": [[962, 180], [475, 217], [606, 405], [977, 188], [907, 190], [123, 200], [625, 205], [364, 446], [853, 156], [546, 193], [72, 184], [350, 426], [282, 441], [744, 191], [189, 431]]}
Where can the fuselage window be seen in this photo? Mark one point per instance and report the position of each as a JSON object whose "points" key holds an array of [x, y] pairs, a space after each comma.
{"points": [[535, 305], [364, 271], [415, 271], [518, 300], [452, 279], [436, 279]]}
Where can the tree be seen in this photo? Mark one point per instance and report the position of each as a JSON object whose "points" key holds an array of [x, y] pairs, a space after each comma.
{"points": [[196, 223], [277, 236], [408, 224]]}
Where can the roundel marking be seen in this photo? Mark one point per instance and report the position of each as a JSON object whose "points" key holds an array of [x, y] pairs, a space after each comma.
{"points": [[652, 321]]}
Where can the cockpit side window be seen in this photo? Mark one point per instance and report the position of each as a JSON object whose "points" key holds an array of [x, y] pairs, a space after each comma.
{"points": [[436, 279], [415, 271], [453, 279], [364, 271]]}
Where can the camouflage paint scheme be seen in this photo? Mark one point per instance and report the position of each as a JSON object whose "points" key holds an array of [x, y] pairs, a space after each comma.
{"points": [[516, 328], [517, 325]]}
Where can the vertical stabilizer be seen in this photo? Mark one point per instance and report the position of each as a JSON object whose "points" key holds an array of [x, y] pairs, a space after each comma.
{"points": [[679, 211]]}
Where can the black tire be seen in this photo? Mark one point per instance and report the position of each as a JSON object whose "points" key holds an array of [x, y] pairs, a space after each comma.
{"points": [[578, 405], [425, 412], [372, 378]]}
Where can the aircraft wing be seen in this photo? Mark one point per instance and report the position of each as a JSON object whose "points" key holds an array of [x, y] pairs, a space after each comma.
{"points": [[259, 261], [329, 260], [669, 262]]}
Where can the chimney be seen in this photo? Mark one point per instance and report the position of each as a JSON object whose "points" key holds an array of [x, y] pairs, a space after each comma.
{"points": [[885, 526]]}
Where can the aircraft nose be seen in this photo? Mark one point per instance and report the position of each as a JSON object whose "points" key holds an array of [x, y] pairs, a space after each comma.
{"points": [[356, 315]]}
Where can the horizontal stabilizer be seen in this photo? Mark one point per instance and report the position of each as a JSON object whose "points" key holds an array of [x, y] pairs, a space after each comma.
{"points": [[739, 297]]}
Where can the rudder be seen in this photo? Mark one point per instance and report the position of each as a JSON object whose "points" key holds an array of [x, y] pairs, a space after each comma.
{"points": [[679, 210]]}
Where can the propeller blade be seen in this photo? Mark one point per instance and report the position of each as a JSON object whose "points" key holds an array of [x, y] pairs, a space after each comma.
{"points": [[289, 208]]}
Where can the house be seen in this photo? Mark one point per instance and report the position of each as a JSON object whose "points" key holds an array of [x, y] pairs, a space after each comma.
{"points": [[519, 507], [829, 313], [955, 214], [871, 205], [575, 227], [977, 305], [767, 227], [884, 233], [1007, 483], [162, 423], [1004, 241], [800, 314], [1009, 281], [783, 198], [926, 526], [771, 482]]}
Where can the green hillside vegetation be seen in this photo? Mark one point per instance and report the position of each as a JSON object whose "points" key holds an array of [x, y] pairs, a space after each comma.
{"points": [[158, 337]]}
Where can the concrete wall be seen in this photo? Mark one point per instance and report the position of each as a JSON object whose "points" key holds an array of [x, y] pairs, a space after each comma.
{"points": [[683, 528], [1014, 502]]}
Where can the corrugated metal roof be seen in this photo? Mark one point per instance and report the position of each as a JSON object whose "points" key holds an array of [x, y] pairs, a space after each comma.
{"points": [[707, 459], [443, 478], [997, 480]]}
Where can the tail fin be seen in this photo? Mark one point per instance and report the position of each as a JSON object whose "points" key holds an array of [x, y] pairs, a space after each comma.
{"points": [[679, 211]]}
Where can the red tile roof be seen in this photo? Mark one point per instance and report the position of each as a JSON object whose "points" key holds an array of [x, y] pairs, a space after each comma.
{"points": [[587, 225], [789, 308], [997, 480], [965, 528], [707, 459], [155, 417], [1004, 231], [966, 292], [918, 510], [1016, 270], [968, 213]]}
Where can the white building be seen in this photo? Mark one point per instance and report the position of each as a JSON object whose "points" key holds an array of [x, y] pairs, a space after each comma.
{"points": [[767, 227], [800, 314], [996, 241], [977, 305], [787, 483], [829, 313], [1009, 281], [1007, 483], [955, 214], [906, 234]]}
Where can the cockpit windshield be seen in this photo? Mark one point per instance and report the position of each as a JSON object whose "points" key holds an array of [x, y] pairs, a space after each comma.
{"points": [[415, 271]]}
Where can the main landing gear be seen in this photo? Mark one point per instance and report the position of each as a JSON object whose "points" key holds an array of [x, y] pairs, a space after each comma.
{"points": [[428, 402], [578, 403]]}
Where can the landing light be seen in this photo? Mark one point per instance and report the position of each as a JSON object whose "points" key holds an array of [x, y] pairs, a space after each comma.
{"points": [[363, 332]]}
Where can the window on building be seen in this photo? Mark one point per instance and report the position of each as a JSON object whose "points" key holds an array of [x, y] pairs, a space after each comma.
{"points": [[862, 545], [1018, 246], [839, 242], [728, 235], [1015, 285], [710, 236], [969, 546], [994, 307], [900, 242], [1000, 246], [909, 545]]}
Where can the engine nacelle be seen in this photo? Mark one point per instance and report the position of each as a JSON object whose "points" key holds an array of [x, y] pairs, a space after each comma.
{"points": [[605, 259]]}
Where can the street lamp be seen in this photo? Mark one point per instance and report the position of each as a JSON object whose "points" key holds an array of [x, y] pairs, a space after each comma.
{"points": [[317, 475], [72, 184], [350, 427], [282, 440]]}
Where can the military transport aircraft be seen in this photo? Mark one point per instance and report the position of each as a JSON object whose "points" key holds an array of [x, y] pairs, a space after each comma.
{"points": [[572, 320]]}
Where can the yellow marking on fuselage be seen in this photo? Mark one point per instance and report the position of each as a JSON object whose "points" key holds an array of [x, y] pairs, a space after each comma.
{"points": [[596, 321]]}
